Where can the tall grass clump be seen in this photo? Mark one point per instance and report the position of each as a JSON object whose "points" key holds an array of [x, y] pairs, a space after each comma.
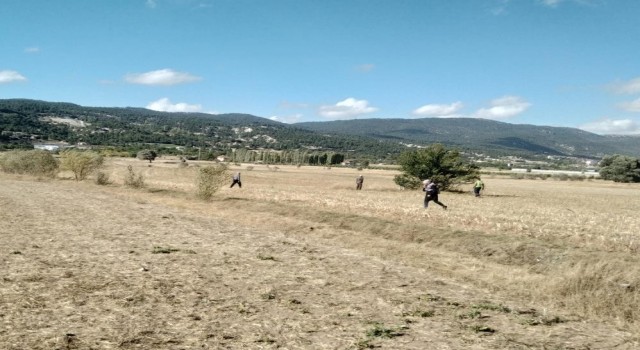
{"points": [[81, 163], [31, 162], [210, 180], [102, 179], [133, 179]]}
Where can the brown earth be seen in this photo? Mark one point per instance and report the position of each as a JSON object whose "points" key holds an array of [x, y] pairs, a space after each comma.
{"points": [[90, 267]]}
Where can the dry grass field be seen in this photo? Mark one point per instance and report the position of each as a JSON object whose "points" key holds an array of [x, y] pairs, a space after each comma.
{"points": [[297, 259]]}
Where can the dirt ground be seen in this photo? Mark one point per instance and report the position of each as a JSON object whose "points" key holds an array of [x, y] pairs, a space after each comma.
{"points": [[105, 267]]}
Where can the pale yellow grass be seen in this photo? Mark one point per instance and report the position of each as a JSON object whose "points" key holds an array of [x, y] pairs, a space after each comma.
{"points": [[298, 259], [517, 226]]}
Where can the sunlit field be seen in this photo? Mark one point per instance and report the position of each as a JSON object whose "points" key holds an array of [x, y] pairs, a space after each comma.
{"points": [[297, 258]]}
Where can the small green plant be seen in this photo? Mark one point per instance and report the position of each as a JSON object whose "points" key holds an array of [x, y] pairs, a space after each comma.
{"points": [[210, 180], [380, 331], [132, 179], [266, 257], [420, 313], [471, 314], [492, 307], [545, 321], [482, 329], [163, 250], [81, 163]]}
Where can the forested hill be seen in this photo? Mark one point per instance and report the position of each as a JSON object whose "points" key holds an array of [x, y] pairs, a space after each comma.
{"points": [[485, 136], [28, 121], [25, 122]]}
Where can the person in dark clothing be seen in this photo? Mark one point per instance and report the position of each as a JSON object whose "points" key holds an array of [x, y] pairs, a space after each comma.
{"points": [[359, 181], [236, 180], [431, 194]]}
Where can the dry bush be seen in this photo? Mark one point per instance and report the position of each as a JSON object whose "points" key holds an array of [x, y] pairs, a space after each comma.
{"points": [[81, 163], [102, 179], [31, 162], [133, 179], [210, 180]]}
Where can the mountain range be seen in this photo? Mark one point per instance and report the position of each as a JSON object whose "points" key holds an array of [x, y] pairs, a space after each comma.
{"points": [[24, 122]]}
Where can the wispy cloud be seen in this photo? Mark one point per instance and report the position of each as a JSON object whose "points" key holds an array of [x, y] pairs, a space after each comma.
{"points": [[10, 76], [346, 109], [503, 108], [161, 77], [366, 67], [439, 110], [165, 105], [626, 87], [287, 119], [612, 126], [551, 3], [33, 49], [500, 8], [151, 4], [631, 106]]}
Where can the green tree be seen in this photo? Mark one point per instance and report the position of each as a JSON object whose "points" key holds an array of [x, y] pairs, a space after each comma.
{"points": [[620, 168], [443, 166], [147, 154]]}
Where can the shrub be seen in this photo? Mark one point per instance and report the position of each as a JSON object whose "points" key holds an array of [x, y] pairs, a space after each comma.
{"points": [[407, 182], [132, 179], [31, 162], [102, 179], [80, 163], [147, 154], [210, 180]]}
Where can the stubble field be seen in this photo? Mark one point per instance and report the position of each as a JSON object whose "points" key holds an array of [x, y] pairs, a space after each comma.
{"points": [[297, 259]]}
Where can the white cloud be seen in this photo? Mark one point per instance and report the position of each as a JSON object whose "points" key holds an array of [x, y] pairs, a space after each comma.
{"points": [[611, 126], [347, 109], [366, 67], [503, 108], [287, 119], [161, 77], [165, 105], [632, 106], [627, 87], [10, 76], [32, 50], [439, 109]]}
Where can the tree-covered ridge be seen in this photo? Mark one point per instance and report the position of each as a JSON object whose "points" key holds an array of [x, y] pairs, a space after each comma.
{"points": [[25, 121], [485, 136]]}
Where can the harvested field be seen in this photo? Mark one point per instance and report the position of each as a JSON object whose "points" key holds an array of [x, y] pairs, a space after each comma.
{"points": [[298, 259]]}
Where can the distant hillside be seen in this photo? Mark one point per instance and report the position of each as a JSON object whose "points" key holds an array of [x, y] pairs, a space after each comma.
{"points": [[26, 121], [485, 136]]}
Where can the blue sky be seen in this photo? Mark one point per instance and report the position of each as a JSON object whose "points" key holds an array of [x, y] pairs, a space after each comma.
{"points": [[573, 63]]}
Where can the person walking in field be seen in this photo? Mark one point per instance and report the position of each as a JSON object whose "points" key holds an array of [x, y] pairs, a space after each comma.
{"points": [[431, 194], [477, 187], [236, 180], [359, 181]]}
